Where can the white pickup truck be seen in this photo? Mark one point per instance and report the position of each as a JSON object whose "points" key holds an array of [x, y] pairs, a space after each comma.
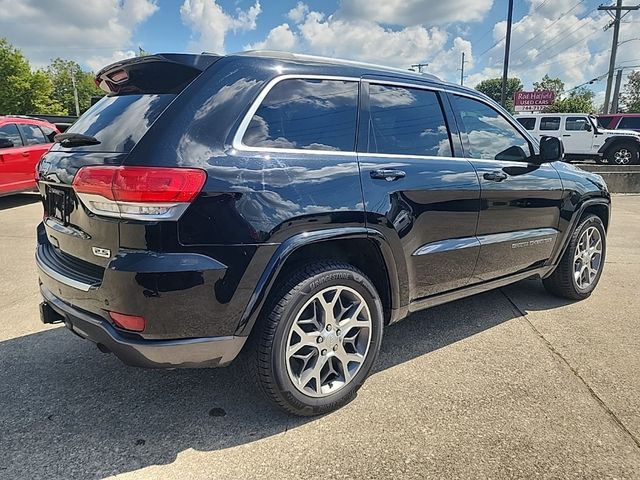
{"points": [[583, 138]]}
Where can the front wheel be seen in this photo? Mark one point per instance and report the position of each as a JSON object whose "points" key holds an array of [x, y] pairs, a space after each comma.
{"points": [[317, 345], [623, 153], [580, 267]]}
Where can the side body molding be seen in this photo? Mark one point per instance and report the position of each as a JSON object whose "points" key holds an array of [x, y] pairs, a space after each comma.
{"points": [[398, 297]]}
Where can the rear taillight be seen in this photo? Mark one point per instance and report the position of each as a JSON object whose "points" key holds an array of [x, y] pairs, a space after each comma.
{"points": [[143, 193]]}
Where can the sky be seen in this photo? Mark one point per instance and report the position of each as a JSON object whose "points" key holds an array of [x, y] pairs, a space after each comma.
{"points": [[562, 38]]}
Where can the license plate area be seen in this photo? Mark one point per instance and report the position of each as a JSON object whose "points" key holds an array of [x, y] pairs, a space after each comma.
{"points": [[58, 204]]}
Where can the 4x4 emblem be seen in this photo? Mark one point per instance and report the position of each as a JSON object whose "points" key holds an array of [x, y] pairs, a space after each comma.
{"points": [[101, 252]]}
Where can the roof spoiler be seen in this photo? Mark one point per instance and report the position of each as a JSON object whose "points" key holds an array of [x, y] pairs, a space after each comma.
{"points": [[153, 74]]}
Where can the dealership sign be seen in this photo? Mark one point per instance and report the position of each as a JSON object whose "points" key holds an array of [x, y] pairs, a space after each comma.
{"points": [[533, 101]]}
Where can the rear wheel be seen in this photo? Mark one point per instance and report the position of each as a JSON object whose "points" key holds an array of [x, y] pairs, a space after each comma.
{"points": [[317, 345], [623, 153], [580, 268]]}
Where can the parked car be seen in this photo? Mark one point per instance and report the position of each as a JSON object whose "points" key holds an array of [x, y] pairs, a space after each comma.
{"points": [[584, 138], [289, 208], [23, 141], [622, 121]]}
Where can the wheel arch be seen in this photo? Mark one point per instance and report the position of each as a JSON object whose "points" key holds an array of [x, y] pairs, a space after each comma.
{"points": [[362, 247], [611, 142]]}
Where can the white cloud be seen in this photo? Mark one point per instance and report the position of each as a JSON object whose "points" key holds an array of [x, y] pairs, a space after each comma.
{"points": [[414, 12], [298, 13], [83, 31], [96, 62], [279, 38], [210, 23]]}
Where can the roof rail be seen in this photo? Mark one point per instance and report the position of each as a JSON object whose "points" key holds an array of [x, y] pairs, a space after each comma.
{"points": [[334, 61]]}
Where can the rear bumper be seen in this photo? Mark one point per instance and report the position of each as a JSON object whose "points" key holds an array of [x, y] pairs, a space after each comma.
{"points": [[181, 353]]}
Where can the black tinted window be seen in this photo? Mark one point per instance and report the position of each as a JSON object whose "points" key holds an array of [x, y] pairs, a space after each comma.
{"points": [[604, 121], [575, 124], [550, 123], [307, 114], [490, 134], [10, 132], [32, 134], [630, 122], [406, 121], [529, 122], [119, 122]]}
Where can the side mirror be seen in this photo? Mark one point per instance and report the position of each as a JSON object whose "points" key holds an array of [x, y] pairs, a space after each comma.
{"points": [[551, 149], [587, 127], [6, 143]]}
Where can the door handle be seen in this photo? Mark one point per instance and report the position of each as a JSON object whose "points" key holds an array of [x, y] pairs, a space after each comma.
{"points": [[387, 174], [566, 135], [495, 176]]}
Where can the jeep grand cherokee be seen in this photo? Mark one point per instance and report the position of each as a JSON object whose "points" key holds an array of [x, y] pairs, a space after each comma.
{"points": [[289, 208]]}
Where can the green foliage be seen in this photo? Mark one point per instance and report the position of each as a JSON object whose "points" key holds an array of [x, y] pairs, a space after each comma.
{"points": [[630, 98], [552, 84], [579, 101], [60, 72], [492, 87], [22, 91]]}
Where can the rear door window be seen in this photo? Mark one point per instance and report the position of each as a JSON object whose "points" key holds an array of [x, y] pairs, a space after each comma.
{"points": [[119, 122], [10, 132], [32, 134], [306, 114], [406, 121], [630, 122], [550, 123], [576, 124]]}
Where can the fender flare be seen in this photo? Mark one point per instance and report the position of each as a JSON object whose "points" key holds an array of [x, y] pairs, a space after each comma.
{"points": [[617, 138], [283, 252], [573, 223]]}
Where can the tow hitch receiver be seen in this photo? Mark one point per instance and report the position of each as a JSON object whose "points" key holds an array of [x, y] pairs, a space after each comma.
{"points": [[49, 315]]}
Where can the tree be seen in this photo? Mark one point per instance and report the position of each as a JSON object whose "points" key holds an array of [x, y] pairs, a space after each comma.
{"points": [[630, 98], [554, 85], [579, 100], [59, 72], [492, 87], [22, 91]]}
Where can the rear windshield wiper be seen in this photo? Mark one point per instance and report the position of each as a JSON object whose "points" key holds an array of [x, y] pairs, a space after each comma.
{"points": [[69, 139]]}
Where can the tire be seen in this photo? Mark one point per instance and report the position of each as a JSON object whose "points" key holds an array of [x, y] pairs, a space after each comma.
{"points": [[623, 153], [564, 281], [287, 361]]}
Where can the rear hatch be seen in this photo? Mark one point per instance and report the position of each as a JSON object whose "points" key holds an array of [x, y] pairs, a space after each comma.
{"points": [[81, 221]]}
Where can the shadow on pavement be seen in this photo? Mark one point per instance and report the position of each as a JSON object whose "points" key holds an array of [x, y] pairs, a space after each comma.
{"points": [[18, 200], [67, 410]]}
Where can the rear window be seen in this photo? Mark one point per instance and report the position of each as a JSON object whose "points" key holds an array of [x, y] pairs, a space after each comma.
{"points": [[527, 123], [119, 122], [630, 122]]}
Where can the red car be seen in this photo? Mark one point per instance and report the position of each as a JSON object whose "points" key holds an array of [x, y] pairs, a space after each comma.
{"points": [[23, 140], [620, 121]]}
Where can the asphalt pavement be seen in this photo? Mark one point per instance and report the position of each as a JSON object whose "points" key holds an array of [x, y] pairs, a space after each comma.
{"points": [[512, 383]]}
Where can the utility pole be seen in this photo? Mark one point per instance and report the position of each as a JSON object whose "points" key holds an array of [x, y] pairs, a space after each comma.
{"points": [[462, 70], [507, 46], [616, 92], [617, 17], [75, 92], [419, 66]]}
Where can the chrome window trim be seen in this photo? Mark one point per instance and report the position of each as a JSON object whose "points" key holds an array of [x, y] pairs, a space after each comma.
{"points": [[237, 143]]}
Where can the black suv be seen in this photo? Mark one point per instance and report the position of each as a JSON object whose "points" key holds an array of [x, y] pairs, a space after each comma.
{"points": [[291, 207]]}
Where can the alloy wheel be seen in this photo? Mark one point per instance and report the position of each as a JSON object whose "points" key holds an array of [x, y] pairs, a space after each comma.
{"points": [[622, 156], [587, 258], [328, 342]]}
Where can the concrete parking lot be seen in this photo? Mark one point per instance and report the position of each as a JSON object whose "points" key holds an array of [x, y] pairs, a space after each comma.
{"points": [[508, 384]]}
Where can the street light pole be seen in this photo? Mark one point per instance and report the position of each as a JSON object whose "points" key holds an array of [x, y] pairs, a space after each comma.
{"points": [[507, 46], [75, 92]]}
